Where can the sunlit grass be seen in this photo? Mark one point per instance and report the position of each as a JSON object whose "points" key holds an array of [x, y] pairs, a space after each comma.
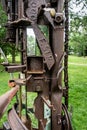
{"points": [[78, 92], [75, 59]]}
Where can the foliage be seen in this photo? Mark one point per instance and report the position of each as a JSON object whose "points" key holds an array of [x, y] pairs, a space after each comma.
{"points": [[8, 48], [3, 19], [78, 28]]}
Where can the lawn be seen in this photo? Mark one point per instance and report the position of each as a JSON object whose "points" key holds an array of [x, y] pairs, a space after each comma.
{"points": [[77, 91]]}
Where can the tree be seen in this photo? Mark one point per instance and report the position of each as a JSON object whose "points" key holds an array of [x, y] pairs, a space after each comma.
{"points": [[3, 19], [78, 27], [8, 48]]}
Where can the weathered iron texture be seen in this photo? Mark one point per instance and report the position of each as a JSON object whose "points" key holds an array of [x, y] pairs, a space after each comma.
{"points": [[15, 68], [15, 121]]}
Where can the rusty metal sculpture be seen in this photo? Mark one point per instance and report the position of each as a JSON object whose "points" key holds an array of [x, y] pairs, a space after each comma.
{"points": [[43, 73]]}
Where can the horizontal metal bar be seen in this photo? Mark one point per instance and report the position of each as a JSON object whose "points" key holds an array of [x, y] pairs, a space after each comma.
{"points": [[17, 68]]}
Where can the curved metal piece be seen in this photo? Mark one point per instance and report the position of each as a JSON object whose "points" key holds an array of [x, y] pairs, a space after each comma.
{"points": [[14, 120], [67, 118]]}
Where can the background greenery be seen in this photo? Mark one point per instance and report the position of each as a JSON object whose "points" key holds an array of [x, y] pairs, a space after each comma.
{"points": [[78, 91], [78, 27]]}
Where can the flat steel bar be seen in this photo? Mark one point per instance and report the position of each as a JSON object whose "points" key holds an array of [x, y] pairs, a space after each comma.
{"points": [[14, 120], [56, 93], [15, 68]]}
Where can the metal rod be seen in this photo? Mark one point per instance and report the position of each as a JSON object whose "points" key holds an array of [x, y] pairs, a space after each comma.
{"points": [[20, 101]]}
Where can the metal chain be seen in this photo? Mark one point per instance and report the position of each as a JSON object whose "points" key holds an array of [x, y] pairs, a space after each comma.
{"points": [[66, 50]]}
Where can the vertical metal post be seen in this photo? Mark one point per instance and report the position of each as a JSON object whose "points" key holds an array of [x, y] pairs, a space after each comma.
{"points": [[56, 93], [9, 10], [16, 9], [20, 9], [20, 101], [60, 6]]}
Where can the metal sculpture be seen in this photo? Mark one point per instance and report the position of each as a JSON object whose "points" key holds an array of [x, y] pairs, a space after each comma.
{"points": [[40, 74]]}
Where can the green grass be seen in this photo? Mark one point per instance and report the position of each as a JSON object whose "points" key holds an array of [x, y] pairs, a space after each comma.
{"points": [[75, 59], [77, 91]]}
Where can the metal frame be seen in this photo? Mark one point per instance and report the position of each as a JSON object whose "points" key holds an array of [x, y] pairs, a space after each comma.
{"points": [[42, 74]]}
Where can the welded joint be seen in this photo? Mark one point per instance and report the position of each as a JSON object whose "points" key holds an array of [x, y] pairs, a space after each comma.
{"points": [[48, 104]]}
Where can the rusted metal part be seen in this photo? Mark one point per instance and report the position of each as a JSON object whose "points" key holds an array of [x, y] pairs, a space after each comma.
{"points": [[24, 47], [20, 102], [44, 47], [53, 1], [60, 5], [9, 10], [39, 105], [38, 83], [11, 34], [59, 71], [49, 18], [67, 124], [59, 17], [20, 22], [64, 92], [16, 9], [48, 104], [11, 83], [20, 9], [32, 11], [23, 81], [18, 68], [6, 98], [17, 37], [14, 120], [56, 98], [35, 65], [41, 125]]}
